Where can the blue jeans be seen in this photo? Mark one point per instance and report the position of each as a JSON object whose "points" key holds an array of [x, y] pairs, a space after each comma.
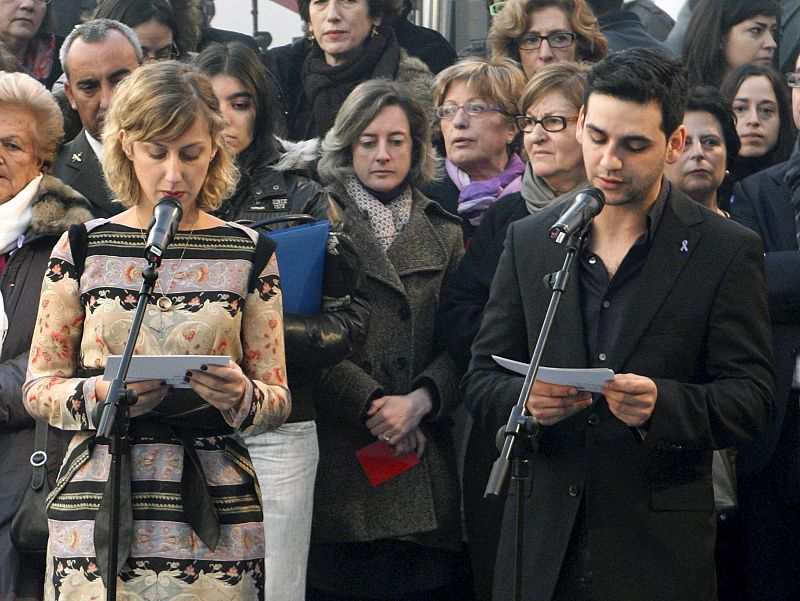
{"points": [[286, 461]]}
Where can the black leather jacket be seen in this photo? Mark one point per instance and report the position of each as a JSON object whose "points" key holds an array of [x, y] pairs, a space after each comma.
{"points": [[279, 187]]}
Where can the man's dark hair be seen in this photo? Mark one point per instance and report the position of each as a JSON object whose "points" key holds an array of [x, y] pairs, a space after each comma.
{"points": [[642, 75]]}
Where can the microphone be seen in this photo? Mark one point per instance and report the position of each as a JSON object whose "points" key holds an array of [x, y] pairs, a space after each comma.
{"points": [[584, 208], [166, 217]]}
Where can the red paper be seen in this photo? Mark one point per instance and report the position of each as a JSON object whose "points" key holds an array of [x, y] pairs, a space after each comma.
{"points": [[379, 462]]}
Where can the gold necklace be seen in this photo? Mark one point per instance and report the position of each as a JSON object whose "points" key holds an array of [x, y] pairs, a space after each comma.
{"points": [[164, 303]]}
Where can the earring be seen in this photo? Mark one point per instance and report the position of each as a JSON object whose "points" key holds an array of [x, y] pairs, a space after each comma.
{"points": [[374, 31], [310, 37]]}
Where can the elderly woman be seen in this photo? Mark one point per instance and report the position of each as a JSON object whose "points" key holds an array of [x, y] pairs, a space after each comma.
{"points": [[762, 106], [549, 109], [712, 145], [345, 46], [476, 102], [538, 32], [218, 293], [35, 209], [26, 29], [725, 34], [397, 539], [273, 185]]}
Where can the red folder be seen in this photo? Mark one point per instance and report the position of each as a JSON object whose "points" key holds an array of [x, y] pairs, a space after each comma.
{"points": [[379, 462]]}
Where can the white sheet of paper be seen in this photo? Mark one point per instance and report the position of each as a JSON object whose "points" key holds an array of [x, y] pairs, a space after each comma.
{"points": [[170, 368], [591, 380]]}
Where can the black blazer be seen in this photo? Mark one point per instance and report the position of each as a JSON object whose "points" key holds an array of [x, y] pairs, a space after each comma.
{"points": [[762, 202], [77, 166], [699, 328]]}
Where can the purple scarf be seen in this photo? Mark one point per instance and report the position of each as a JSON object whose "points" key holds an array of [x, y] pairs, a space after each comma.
{"points": [[476, 197]]}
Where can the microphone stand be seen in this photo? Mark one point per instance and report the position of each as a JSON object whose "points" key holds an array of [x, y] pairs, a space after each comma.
{"points": [[521, 426], [114, 423]]}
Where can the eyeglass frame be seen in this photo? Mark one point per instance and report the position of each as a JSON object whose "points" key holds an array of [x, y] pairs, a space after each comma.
{"points": [[563, 120], [793, 75], [542, 38], [489, 107], [45, 2], [174, 52]]}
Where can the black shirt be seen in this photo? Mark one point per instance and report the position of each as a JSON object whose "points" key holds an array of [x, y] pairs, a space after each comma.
{"points": [[606, 301]]}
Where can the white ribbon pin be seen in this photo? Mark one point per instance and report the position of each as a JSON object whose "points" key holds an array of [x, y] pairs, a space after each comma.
{"points": [[685, 246]]}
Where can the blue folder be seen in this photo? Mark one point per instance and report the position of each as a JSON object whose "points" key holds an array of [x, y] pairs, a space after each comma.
{"points": [[301, 261]]}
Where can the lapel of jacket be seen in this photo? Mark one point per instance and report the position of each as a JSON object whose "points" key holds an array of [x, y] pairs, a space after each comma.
{"points": [[420, 246], [88, 171], [672, 246], [376, 263]]}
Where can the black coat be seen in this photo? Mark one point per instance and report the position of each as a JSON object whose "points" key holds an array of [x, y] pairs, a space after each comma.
{"points": [[285, 66], [54, 210], [763, 202], [699, 328], [77, 166]]}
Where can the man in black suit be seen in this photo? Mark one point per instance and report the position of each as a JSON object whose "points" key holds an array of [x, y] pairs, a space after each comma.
{"points": [[96, 55], [671, 297], [769, 468]]}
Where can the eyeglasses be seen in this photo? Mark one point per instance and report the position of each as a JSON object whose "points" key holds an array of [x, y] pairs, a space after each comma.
{"points": [[532, 41], [162, 54], [793, 79], [473, 108], [526, 124], [42, 1]]}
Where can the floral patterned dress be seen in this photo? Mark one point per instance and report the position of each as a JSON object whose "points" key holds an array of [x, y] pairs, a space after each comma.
{"points": [[219, 306]]}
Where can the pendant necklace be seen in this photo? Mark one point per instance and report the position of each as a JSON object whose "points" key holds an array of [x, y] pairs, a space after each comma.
{"points": [[164, 303]]}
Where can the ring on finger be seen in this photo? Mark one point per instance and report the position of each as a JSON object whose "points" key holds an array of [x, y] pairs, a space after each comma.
{"points": [[386, 437]]}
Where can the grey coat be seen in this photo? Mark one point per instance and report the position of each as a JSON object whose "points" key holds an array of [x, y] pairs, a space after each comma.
{"points": [[401, 353]]}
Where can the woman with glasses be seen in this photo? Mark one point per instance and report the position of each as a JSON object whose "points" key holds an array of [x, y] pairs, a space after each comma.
{"points": [[539, 32], [555, 173], [167, 29], [348, 42], [396, 539], [475, 105], [27, 31], [762, 106]]}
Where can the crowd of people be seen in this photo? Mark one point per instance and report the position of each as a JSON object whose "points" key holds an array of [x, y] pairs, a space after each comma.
{"points": [[342, 453]]}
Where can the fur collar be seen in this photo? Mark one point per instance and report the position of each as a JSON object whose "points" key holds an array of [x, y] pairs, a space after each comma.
{"points": [[57, 206], [297, 156]]}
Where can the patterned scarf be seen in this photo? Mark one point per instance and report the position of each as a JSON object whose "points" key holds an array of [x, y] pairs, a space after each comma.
{"points": [[38, 62], [387, 220], [476, 197]]}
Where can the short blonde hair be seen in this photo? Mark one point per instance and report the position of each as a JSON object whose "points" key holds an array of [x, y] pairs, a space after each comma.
{"points": [[24, 92], [514, 20], [360, 109], [568, 79], [497, 80], [160, 102]]}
